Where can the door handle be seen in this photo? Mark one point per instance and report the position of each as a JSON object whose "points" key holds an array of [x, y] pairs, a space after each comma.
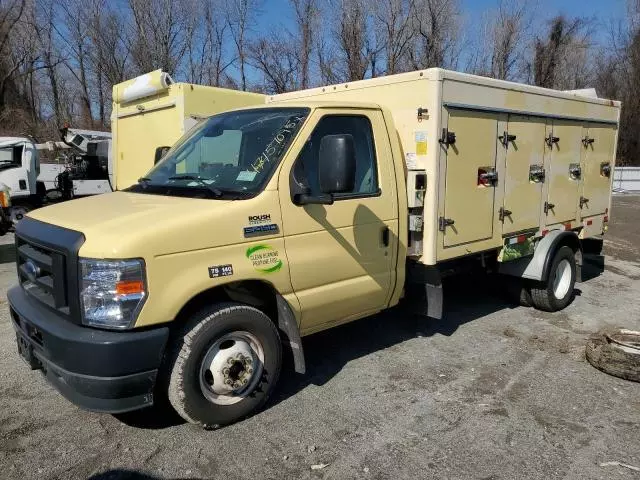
{"points": [[385, 236]]}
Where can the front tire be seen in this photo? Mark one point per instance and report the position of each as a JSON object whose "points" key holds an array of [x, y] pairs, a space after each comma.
{"points": [[557, 292], [225, 365]]}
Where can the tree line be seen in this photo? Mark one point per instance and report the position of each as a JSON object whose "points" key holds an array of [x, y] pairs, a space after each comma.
{"points": [[60, 58]]}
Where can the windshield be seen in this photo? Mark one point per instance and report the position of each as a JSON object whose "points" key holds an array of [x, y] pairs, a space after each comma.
{"points": [[230, 154]]}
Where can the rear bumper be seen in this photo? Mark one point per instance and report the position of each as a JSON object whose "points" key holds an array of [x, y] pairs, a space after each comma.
{"points": [[97, 370]]}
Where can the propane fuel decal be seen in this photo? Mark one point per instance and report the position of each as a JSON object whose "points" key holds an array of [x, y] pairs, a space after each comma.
{"points": [[264, 258]]}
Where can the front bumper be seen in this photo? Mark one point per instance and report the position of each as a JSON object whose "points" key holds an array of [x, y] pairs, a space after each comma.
{"points": [[97, 370]]}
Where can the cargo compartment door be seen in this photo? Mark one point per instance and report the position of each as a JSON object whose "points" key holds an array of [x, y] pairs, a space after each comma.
{"points": [[564, 149], [524, 173], [597, 169], [471, 177]]}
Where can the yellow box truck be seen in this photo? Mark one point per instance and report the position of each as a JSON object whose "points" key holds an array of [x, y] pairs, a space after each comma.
{"points": [[269, 223], [151, 111]]}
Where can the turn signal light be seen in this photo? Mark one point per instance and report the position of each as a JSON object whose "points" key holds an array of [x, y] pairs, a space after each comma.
{"points": [[129, 288]]}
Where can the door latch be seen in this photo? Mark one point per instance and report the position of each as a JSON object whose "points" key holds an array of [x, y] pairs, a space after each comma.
{"points": [[487, 177], [503, 213], [586, 141], [505, 139], [575, 171], [443, 223], [605, 169], [550, 140], [536, 174], [385, 236], [583, 201], [548, 206], [447, 138]]}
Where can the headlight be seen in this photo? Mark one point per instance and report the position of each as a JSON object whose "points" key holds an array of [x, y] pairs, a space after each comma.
{"points": [[112, 292]]}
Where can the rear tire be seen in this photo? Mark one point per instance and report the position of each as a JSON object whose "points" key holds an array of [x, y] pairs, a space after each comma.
{"points": [[518, 291], [557, 291], [220, 344]]}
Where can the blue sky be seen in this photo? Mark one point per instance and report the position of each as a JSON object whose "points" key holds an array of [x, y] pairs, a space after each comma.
{"points": [[279, 11]]}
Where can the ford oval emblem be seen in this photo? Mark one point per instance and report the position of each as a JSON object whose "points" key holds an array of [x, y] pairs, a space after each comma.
{"points": [[31, 270]]}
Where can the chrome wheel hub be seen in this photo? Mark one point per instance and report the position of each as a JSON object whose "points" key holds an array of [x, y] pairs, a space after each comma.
{"points": [[231, 368]]}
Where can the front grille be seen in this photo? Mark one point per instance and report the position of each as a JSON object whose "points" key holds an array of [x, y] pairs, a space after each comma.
{"points": [[42, 274]]}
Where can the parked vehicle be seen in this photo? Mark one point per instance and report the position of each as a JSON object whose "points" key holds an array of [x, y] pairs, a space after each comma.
{"points": [[269, 223]]}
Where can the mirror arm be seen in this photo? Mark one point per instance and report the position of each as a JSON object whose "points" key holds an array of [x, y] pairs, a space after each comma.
{"points": [[306, 199]]}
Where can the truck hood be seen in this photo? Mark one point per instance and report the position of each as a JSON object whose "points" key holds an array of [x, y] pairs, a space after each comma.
{"points": [[123, 224]]}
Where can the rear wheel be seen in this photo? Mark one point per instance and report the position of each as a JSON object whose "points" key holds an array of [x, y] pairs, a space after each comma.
{"points": [[225, 366], [557, 292]]}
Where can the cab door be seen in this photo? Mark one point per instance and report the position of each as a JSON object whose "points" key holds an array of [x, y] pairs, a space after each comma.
{"points": [[597, 169], [342, 257]]}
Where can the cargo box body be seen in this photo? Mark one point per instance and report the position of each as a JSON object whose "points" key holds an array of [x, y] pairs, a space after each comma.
{"points": [[159, 117], [501, 158]]}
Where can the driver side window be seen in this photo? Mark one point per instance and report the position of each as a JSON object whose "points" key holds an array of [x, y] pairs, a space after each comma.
{"points": [[359, 127]]}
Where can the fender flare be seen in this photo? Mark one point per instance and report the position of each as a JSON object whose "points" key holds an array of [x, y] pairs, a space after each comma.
{"points": [[562, 238], [537, 266], [288, 325]]}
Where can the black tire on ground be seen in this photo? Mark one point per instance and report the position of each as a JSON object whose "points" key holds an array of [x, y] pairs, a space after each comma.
{"points": [[518, 291], [201, 332], [616, 352], [557, 291]]}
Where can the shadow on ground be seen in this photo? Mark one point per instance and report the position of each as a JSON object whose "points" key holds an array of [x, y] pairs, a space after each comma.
{"points": [[7, 253], [467, 298]]}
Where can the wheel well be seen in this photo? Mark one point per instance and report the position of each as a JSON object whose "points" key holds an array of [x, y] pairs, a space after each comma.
{"points": [[567, 239], [258, 294]]}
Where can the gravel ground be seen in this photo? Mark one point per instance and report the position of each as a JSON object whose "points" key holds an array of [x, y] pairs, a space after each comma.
{"points": [[491, 392]]}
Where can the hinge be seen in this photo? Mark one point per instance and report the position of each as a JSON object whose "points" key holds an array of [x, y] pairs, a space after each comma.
{"points": [[421, 113], [586, 141], [550, 140], [447, 138], [583, 201], [503, 213], [548, 206], [505, 139], [443, 223]]}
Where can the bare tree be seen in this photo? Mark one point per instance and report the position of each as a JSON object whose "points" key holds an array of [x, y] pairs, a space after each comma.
{"points": [[509, 35], [160, 33], [357, 45], [239, 18], [207, 62], [394, 18], [306, 17], [557, 52], [10, 14], [278, 62], [436, 24]]}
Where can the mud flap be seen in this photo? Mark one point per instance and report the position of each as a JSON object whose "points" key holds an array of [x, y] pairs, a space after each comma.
{"points": [[425, 282], [291, 334]]}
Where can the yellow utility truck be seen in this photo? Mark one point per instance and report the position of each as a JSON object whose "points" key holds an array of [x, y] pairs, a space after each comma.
{"points": [[269, 223]]}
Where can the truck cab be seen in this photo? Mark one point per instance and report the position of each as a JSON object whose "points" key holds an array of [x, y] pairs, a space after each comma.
{"points": [[19, 170], [291, 227]]}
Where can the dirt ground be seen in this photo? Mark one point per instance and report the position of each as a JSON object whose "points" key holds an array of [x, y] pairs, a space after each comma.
{"points": [[492, 391]]}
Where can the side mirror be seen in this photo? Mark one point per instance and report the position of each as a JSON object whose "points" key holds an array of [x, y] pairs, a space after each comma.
{"points": [[160, 152], [337, 164]]}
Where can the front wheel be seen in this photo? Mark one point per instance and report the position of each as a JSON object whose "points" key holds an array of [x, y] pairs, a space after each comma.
{"points": [[557, 292], [225, 365]]}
